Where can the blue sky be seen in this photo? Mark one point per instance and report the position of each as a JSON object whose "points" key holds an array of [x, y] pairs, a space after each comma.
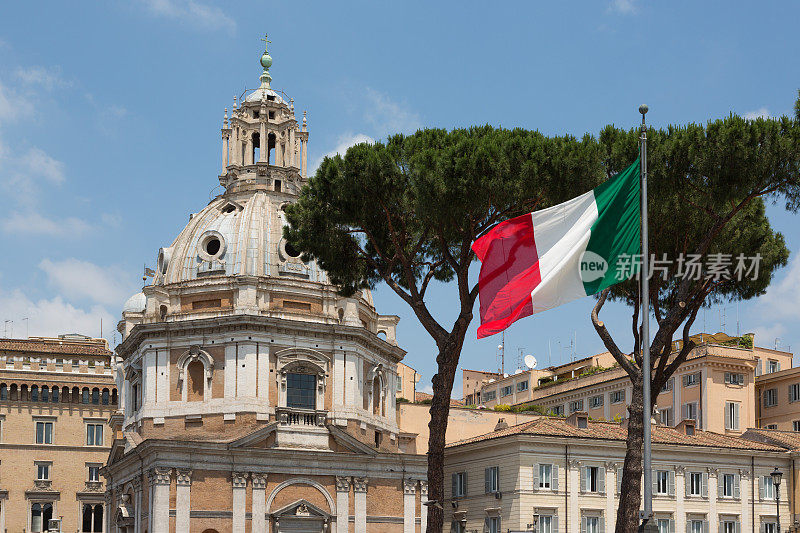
{"points": [[110, 115]]}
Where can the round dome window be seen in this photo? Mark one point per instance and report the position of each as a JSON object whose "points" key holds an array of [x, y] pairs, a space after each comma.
{"points": [[211, 246]]}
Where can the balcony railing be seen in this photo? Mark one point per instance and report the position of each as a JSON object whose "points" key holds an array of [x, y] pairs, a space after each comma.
{"points": [[294, 416]]}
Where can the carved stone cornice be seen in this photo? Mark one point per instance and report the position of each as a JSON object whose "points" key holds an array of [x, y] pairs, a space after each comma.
{"points": [[93, 486], [43, 484], [183, 476], [259, 480], [360, 484], [409, 486], [342, 484], [239, 480], [159, 475]]}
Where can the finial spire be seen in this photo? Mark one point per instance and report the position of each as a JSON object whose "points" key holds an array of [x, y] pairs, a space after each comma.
{"points": [[266, 41], [266, 62], [225, 119]]}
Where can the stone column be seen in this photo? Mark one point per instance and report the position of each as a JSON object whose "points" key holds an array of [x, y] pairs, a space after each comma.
{"points": [[423, 509], [160, 479], [360, 490], [263, 144], [680, 498], [239, 484], [225, 146], [137, 511], [745, 488], [573, 509], [342, 503], [183, 479], [611, 489], [713, 518], [108, 505], [259, 504], [409, 501], [248, 148], [235, 147], [292, 146], [304, 155]]}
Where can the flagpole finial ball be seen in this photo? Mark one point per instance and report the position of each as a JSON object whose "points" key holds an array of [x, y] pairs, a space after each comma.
{"points": [[643, 109]]}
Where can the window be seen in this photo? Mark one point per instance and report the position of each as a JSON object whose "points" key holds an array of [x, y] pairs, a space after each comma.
{"points": [[729, 486], [135, 397], [457, 526], [666, 416], [773, 366], [522, 386], [41, 514], [794, 392], [662, 482], [43, 471], [595, 402], [591, 523], [3, 392], [770, 397], [94, 434], [689, 380], [618, 396], [301, 391], [767, 488], [795, 425], [506, 391], [547, 476], [771, 426], [665, 525], [668, 385], [696, 482], [728, 526], [734, 378], [493, 524], [695, 526], [399, 384], [546, 524], [491, 479], [691, 412], [732, 416], [94, 473], [577, 405], [557, 410], [489, 395], [769, 527], [44, 433], [592, 479], [459, 480], [92, 518]]}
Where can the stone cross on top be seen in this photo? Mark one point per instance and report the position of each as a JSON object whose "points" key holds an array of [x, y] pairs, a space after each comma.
{"points": [[266, 42]]}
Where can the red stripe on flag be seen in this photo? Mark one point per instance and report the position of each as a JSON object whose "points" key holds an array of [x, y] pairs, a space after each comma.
{"points": [[509, 272]]}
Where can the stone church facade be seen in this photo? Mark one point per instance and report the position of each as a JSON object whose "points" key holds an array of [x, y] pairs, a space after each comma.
{"points": [[254, 398]]}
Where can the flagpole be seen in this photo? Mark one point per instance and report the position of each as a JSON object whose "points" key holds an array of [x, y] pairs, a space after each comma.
{"points": [[647, 515]]}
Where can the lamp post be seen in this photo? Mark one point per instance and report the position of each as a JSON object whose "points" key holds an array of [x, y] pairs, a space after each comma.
{"points": [[776, 482]]}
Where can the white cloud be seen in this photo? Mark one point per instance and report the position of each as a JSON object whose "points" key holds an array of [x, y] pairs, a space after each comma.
{"points": [[343, 143], [38, 163], [624, 6], [198, 14], [13, 105], [782, 300], [41, 77], [387, 116], [51, 317], [34, 223], [23, 176], [766, 335], [82, 280], [762, 112], [427, 389]]}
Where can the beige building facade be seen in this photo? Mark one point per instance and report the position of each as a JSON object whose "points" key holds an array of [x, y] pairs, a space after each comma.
{"points": [[777, 398], [56, 397], [255, 398], [407, 379]]}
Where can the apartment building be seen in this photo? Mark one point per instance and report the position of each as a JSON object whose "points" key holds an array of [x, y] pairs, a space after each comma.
{"points": [[56, 397], [777, 394], [407, 379], [553, 474], [715, 387]]}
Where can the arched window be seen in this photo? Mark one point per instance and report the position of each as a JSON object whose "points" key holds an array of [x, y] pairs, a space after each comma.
{"points": [[34, 393], [113, 396], [41, 514], [45, 393], [3, 391], [96, 396], [105, 397], [92, 518], [76, 394], [256, 143], [13, 393], [23, 393], [85, 395], [195, 372], [301, 391], [270, 146], [55, 395]]}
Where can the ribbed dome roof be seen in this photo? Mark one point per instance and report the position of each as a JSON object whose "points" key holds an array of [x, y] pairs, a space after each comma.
{"points": [[234, 237], [135, 304]]}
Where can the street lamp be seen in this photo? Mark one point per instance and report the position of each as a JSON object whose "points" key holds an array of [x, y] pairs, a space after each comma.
{"points": [[776, 482]]}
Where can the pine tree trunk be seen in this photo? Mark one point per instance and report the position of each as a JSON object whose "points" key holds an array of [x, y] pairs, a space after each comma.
{"points": [[631, 492], [440, 411]]}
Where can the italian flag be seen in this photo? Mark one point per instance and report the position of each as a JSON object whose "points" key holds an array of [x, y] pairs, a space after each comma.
{"points": [[547, 258]]}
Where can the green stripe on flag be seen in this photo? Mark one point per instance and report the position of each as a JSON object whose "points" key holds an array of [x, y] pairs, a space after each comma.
{"points": [[616, 234]]}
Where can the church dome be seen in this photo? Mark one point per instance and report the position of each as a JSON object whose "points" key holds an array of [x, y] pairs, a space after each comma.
{"points": [[135, 304], [242, 237]]}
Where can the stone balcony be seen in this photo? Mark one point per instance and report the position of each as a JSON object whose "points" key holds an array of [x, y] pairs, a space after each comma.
{"points": [[301, 428]]}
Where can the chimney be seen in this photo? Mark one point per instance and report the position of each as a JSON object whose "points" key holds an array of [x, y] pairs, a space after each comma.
{"points": [[501, 424], [579, 419], [687, 426]]}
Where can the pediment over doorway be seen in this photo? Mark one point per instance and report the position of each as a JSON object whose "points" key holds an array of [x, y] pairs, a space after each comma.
{"points": [[301, 509]]}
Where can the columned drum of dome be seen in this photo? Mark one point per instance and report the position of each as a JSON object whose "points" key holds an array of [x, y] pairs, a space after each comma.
{"points": [[254, 396]]}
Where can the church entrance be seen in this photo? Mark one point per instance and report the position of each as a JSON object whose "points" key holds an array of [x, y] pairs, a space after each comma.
{"points": [[301, 517]]}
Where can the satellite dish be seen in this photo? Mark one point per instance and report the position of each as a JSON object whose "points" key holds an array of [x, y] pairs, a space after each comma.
{"points": [[530, 361]]}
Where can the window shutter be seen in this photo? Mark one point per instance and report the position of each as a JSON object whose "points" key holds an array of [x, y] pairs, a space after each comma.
{"points": [[684, 411], [601, 524], [779, 366], [554, 523], [720, 485], [654, 476], [497, 479], [704, 485], [536, 468], [453, 527], [762, 528], [736, 486], [738, 527], [487, 480], [688, 479], [705, 526], [721, 526], [728, 416], [689, 525], [758, 368], [601, 480], [671, 525], [583, 486], [736, 416], [554, 478], [583, 524], [619, 479], [454, 491], [486, 526], [760, 487], [671, 483], [465, 485]]}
